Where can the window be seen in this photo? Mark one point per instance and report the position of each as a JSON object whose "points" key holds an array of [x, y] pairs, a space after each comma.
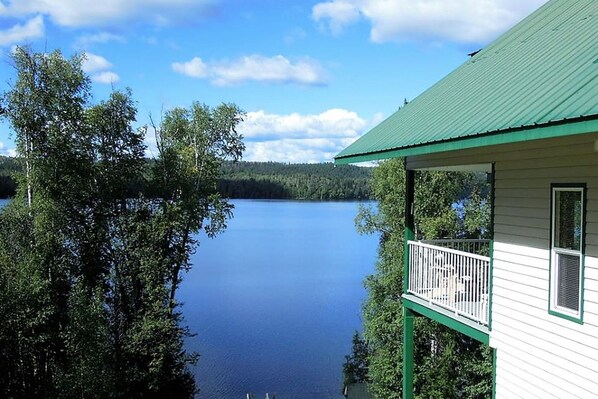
{"points": [[567, 250]]}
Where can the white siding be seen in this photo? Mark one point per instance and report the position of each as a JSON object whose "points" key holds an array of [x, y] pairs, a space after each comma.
{"points": [[538, 355]]}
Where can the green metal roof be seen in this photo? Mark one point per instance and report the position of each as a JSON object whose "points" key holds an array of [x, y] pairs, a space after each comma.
{"points": [[539, 79]]}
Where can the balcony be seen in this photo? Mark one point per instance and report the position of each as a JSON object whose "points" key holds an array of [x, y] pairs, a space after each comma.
{"points": [[452, 274]]}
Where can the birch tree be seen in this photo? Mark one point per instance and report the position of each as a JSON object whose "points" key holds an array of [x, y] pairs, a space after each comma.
{"points": [[89, 269]]}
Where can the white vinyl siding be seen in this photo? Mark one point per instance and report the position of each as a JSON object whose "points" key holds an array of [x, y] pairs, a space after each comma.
{"points": [[539, 355]]}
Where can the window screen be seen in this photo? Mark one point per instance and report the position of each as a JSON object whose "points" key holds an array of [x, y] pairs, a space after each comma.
{"points": [[568, 271]]}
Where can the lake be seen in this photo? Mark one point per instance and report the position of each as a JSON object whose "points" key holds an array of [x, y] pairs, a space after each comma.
{"points": [[276, 298]]}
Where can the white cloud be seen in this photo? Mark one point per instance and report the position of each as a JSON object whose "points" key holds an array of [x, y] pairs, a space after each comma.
{"points": [[94, 63], [98, 67], [300, 138], [333, 123], [32, 29], [194, 68], [377, 118], [293, 151], [462, 21], [151, 146], [293, 137], [101, 38], [276, 69], [106, 77], [78, 13], [338, 13], [11, 152]]}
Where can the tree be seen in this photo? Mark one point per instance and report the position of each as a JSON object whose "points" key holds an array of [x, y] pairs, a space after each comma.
{"points": [[457, 367], [89, 270], [355, 367]]}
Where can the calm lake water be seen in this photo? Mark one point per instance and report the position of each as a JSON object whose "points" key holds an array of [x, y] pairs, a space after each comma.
{"points": [[276, 298]]}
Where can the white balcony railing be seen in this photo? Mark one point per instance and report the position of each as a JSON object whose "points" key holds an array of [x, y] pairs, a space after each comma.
{"points": [[472, 246], [452, 278]]}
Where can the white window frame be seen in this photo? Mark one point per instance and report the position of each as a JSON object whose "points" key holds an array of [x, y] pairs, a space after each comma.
{"points": [[572, 314]]}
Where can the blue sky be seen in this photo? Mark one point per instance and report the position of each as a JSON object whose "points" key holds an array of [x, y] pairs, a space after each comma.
{"points": [[311, 75]]}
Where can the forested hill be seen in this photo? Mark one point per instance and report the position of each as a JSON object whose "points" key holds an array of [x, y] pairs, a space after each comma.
{"points": [[264, 180], [271, 180], [7, 184]]}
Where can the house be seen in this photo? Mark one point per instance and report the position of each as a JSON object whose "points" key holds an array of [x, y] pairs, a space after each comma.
{"points": [[525, 110]]}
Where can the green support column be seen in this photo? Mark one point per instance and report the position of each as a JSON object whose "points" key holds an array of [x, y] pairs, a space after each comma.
{"points": [[408, 315], [409, 223], [408, 319], [491, 254]]}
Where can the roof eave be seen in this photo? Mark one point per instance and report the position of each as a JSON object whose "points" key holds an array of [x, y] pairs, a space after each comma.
{"points": [[567, 127]]}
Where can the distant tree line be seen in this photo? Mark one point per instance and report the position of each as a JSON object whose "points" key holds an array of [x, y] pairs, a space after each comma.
{"points": [[271, 180], [255, 180], [8, 169]]}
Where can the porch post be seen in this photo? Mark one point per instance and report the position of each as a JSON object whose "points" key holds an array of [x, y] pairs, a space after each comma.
{"points": [[408, 315], [491, 254], [409, 223], [408, 318]]}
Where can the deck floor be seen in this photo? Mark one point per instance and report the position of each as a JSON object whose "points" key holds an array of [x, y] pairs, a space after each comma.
{"points": [[474, 310], [466, 325]]}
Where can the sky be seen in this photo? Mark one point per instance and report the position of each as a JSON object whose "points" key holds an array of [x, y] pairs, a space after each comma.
{"points": [[312, 76]]}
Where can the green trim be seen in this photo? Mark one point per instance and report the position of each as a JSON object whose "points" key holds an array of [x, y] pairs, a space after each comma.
{"points": [[552, 130], [552, 311], [491, 254], [408, 353], [478, 333], [493, 373], [409, 224], [565, 316], [490, 289]]}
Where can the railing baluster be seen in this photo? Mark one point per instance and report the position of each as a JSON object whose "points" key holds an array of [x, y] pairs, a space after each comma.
{"points": [[442, 273]]}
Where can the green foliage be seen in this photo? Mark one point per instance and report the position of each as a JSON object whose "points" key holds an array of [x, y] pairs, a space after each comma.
{"points": [[448, 365], [9, 168], [382, 312], [476, 215], [274, 180], [89, 272], [355, 367], [263, 180]]}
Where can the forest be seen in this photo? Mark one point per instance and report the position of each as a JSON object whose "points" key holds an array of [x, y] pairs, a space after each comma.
{"points": [[9, 168], [256, 180], [89, 275], [271, 180]]}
